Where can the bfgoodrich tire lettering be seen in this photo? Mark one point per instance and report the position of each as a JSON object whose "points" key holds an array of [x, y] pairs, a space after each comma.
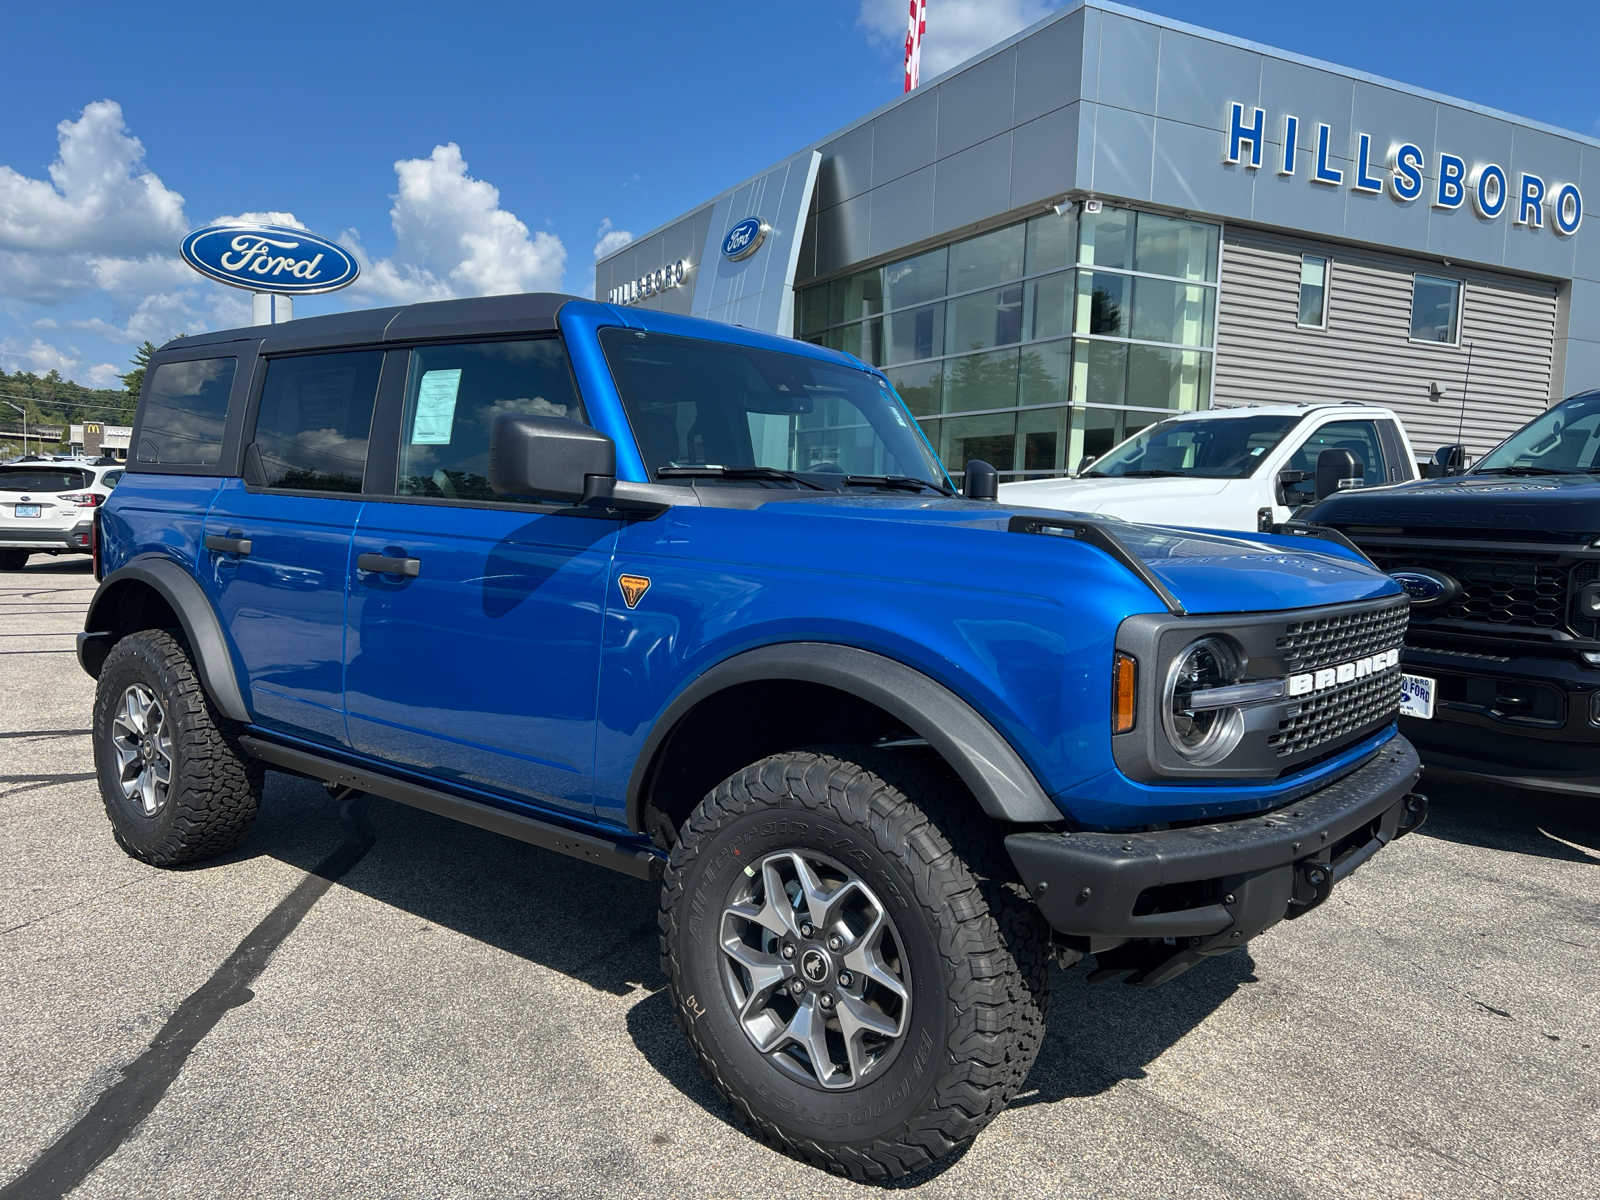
{"points": [[973, 950], [210, 795]]}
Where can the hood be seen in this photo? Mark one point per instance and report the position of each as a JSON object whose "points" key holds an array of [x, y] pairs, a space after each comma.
{"points": [[1112, 495], [1208, 572], [1531, 508]]}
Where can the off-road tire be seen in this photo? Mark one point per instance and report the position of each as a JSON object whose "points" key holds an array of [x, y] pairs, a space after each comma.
{"points": [[215, 787], [978, 953], [13, 560]]}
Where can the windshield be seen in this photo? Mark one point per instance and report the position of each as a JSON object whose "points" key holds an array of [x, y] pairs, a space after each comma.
{"points": [[761, 415], [42, 479], [1214, 448], [1566, 439]]}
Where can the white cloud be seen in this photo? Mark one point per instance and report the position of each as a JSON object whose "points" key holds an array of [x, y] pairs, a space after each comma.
{"points": [[38, 356], [103, 375], [609, 239], [957, 29]]}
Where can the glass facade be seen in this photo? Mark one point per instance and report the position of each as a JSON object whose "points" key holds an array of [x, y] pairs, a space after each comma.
{"points": [[1037, 344]]}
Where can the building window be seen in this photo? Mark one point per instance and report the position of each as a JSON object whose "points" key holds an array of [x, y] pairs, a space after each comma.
{"points": [[1313, 292], [1436, 310], [1027, 343]]}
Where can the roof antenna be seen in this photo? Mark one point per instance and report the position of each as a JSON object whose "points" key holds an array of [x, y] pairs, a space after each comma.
{"points": [[1465, 384]]}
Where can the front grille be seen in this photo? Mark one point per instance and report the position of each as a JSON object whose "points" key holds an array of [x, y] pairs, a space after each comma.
{"points": [[1526, 592], [1316, 721], [1342, 637]]}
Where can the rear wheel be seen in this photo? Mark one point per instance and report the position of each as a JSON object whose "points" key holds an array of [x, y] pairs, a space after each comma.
{"points": [[864, 996], [174, 782], [13, 560]]}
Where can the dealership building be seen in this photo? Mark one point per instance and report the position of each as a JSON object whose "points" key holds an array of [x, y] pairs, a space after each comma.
{"points": [[1114, 216]]}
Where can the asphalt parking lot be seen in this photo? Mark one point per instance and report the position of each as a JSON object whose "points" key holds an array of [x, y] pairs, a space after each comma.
{"points": [[377, 1002]]}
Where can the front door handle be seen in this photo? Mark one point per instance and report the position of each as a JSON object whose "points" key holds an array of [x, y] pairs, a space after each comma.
{"points": [[383, 564], [231, 544]]}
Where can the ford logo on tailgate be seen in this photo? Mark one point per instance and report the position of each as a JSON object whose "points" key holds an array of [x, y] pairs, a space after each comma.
{"points": [[270, 258], [744, 239], [1426, 588]]}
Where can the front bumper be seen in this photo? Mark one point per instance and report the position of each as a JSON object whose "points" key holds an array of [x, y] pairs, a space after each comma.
{"points": [[51, 541], [1151, 905], [1524, 720]]}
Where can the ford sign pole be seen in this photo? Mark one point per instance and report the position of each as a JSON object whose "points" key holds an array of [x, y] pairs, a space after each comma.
{"points": [[274, 262]]}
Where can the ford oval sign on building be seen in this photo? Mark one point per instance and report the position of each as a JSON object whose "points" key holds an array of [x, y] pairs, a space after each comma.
{"points": [[270, 258], [744, 239]]}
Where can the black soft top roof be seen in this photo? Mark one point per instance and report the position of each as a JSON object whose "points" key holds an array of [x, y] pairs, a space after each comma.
{"points": [[531, 312]]}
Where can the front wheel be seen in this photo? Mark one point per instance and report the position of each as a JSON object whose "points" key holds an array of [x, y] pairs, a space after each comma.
{"points": [[864, 997]]}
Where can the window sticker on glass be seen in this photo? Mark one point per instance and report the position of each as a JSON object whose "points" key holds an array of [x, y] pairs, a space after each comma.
{"points": [[436, 408]]}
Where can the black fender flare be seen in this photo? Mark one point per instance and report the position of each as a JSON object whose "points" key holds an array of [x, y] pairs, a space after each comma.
{"points": [[198, 619], [1004, 785]]}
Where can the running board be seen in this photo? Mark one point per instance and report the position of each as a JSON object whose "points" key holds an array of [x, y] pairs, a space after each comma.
{"points": [[629, 859]]}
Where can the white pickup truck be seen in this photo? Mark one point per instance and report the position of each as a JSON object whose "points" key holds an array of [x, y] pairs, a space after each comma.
{"points": [[1232, 468]]}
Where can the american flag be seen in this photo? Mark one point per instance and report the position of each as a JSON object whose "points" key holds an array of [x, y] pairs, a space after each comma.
{"points": [[915, 32]]}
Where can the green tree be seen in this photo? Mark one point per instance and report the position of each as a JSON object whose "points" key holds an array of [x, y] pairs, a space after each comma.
{"points": [[134, 379]]}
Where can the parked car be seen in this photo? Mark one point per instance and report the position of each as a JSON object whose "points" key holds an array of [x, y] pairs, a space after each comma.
{"points": [[47, 508], [701, 605], [1232, 468], [1503, 567]]}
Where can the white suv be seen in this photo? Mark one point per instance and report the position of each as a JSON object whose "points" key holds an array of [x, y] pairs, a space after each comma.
{"points": [[48, 508], [1232, 468]]}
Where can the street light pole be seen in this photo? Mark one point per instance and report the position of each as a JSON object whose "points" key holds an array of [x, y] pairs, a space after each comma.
{"points": [[24, 413]]}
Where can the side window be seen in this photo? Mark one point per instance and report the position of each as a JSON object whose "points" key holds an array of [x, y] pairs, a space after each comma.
{"points": [[455, 393], [1361, 438], [314, 418], [182, 409]]}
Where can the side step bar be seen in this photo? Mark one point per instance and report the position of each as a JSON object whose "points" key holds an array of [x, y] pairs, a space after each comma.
{"points": [[629, 859]]}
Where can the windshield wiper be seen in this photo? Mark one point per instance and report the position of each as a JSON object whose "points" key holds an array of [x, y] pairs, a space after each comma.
{"points": [[907, 483], [1521, 470], [716, 471]]}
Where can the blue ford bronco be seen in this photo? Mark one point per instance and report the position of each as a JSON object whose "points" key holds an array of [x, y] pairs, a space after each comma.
{"points": [[702, 605]]}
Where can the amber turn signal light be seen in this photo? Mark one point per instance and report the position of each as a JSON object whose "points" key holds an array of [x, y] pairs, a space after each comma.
{"points": [[1124, 677]]}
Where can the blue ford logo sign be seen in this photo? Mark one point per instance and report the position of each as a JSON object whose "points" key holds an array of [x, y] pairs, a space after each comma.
{"points": [[1426, 588], [744, 239], [270, 258]]}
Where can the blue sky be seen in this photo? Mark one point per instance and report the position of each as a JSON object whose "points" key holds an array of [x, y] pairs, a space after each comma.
{"points": [[482, 147]]}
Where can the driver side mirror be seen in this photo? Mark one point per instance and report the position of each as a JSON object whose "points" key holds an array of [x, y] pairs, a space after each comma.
{"points": [[550, 458], [1338, 469], [1084, 463], [980, 481], [1447, 460]]}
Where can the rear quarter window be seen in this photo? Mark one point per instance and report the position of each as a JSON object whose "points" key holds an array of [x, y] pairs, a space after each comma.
{"points": [[43, 479], [182, 411]]}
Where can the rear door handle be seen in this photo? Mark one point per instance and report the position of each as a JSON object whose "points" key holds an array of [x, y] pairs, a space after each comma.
{"points": [[230, 544], [383, 564]]}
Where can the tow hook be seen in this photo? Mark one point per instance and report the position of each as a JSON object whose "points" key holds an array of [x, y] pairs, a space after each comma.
{"points": [[1313, 881], [1414, 813]]}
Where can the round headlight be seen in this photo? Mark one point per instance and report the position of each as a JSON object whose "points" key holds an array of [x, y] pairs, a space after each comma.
{"points": [[1200, 729]]}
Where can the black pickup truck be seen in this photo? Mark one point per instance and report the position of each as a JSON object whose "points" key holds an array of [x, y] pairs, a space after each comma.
{"points": [[1502, 564]]}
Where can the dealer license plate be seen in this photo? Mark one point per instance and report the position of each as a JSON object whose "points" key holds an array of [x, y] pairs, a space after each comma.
{"points": [[1416, 696], [27, 510]]}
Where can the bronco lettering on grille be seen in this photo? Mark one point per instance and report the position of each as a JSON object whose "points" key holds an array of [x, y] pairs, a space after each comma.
{"points": [[1309, 682]]}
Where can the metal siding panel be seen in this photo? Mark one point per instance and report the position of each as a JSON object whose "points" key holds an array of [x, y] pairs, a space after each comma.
{"points": [[1583, 319], [842, 235], [1044, 157], [1130, 48], [1312, 95], [904, 138], [1386, 221], [806, 268], [1188, 175], [1366, 352], [1586, 263], [846, 167], [973, 185], [1471, 137], [1199, 79], [1542, 251], [976, 104], [1050, 68], [1093, 22], [900, 212], [1462, 234], [1389, 116], [1294, 202], [1123, 147], [1583, 366], [678, 242]]}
